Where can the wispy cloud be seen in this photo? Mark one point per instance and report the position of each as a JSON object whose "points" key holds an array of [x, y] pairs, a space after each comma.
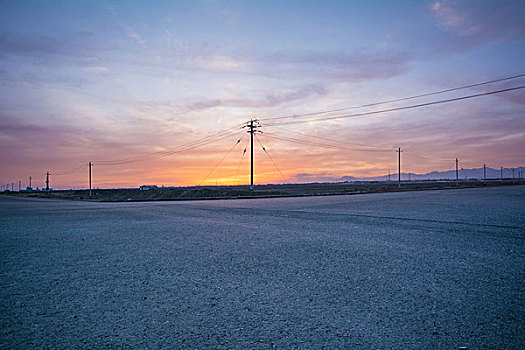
{"points": [[269, 100], [219, 63], [448, 16], [297, 65], [132, 34], [125, 28], [334, 65], [69, 44], [481, 21], [97, 69]]}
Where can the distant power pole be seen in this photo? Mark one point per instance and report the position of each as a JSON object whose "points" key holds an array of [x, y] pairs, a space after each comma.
{"points": [[484, 172], [89, 180], [501, 174], [47, 181], [512, 173], [19, 185], [399, 167], [457, 173], [12, 186], [29, 181], [252, 125]]}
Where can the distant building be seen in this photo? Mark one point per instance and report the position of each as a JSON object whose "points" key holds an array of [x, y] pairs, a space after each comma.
{"points": [[148, 187]]}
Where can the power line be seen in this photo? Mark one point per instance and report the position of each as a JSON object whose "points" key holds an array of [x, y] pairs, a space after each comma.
{"points": [[325, 139], [223, 158], [274, 164], [322, 145], [186, 147], [242, 158], [397, 99], [69, 171], [405, 107], [422, 156], [192, 145]]}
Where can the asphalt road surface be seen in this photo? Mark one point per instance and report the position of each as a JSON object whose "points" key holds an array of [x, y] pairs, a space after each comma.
{"points": [[408, 270]]}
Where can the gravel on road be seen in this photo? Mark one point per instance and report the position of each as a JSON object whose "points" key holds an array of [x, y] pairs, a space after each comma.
{"points": [[407, 270]]}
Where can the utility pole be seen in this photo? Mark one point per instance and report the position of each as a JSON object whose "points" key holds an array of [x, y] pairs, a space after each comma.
{"points": [[501, 174], [19, 185], [29, 181], [12, 186], [47, 181], [484, 172], [399, 167], [89, 180], [252, 125], [512, 173], [457, 173]]}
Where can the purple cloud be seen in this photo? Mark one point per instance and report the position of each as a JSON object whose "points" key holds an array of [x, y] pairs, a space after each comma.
{"points": [[480, 22], [269, 100], [73, 43], [333, 65]]}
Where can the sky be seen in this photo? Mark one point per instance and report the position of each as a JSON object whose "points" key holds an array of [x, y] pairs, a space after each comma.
{"points": [[157, 92]]}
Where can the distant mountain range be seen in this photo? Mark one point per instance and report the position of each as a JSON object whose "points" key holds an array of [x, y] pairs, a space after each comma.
{"points": [[476, 173]]}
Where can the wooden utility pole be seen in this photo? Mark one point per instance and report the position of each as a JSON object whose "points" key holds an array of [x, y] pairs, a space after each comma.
{"points": [[484, 172], [89, 180], [457, 173], [47, 181], [399, 167], [252, 130], [252, 125]]}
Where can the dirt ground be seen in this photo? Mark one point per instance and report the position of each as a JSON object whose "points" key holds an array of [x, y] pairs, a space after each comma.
{"points": [[259, 191]]}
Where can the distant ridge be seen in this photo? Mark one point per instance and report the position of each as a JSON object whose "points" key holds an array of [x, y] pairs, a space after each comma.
{"points": [[468, 174]]}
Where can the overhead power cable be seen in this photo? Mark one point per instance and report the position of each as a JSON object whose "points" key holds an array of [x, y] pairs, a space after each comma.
{"points": [[322, 145], [421, 156], [223, 158], [69, 171], [182, 148], [324, 139], [403, 107], [242, 158], [268, 154], [395, 100]]}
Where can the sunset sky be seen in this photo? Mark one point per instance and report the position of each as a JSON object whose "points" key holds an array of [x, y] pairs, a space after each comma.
{"points": [[113, 82]]}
